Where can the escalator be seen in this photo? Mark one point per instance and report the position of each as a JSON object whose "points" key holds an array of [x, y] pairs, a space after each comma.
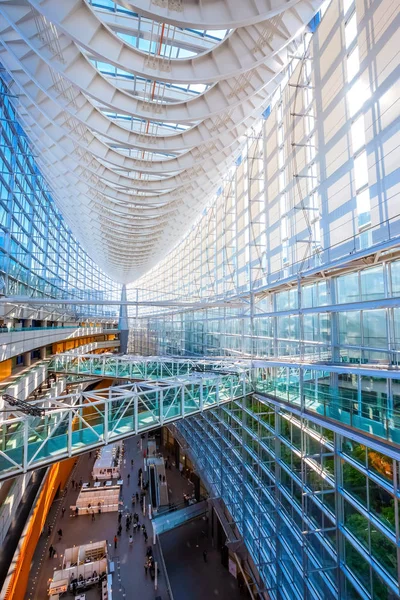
{"points": [[153, 486]]}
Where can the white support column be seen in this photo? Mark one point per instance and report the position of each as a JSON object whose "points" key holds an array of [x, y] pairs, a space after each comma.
{"points": [[27, 359], [201, 396], [69, 432], [107, 405], [136, 416], [183, 400], [161, 406]]}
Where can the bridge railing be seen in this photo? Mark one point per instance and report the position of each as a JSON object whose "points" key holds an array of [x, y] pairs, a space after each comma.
{"points": [[137, 367], [74, 423]]}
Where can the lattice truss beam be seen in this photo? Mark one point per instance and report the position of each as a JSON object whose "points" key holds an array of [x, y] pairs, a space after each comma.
{"points": [[133, 116], [47, 430]]}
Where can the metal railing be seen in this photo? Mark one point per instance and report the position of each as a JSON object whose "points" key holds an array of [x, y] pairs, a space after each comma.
{"points": [[74, 423], [141, 367], [19, 329]]}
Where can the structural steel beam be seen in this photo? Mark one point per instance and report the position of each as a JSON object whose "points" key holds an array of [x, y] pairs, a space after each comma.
{"points": [[74, 423]]}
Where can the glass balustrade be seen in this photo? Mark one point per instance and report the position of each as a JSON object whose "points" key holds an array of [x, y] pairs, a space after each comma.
{"points": [[360, 409], [17, 329], [74, 422]]}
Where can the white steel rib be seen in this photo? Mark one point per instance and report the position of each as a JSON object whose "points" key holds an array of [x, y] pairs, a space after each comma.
{"points": [[134, 117]]}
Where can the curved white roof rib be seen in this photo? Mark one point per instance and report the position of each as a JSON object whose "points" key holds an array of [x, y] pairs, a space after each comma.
{"points": [[208, 14], [136, 113]]}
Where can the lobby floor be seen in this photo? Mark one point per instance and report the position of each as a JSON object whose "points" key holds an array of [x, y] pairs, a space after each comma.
{"points": [[129, 562], [189, 576]]}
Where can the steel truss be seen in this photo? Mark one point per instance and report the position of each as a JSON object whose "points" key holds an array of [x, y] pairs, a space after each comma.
{"points": [[74, 423], [141, 367]]}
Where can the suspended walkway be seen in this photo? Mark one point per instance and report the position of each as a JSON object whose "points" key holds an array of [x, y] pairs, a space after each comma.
{"points": [[69, 425], [140, 367]]}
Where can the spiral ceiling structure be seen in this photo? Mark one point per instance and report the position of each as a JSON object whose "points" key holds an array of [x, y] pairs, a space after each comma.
{"points": [[135, 109]]}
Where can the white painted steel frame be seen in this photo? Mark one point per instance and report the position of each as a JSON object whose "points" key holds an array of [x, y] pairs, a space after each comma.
{"points": [[76, 422], [47, 47]]}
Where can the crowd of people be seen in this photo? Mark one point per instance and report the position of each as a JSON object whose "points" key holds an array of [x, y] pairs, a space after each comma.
{"points": [[132, 525], [129, 521]]}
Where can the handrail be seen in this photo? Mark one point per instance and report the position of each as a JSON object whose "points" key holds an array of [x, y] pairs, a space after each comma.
{"points": [[73, 423], [18, 329]]}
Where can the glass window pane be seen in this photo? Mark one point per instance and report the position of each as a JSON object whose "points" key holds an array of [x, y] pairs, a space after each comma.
{"points": [[350, 30]]}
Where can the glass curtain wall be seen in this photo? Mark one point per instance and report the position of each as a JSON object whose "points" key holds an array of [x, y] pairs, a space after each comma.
{"points": [[38, 253], [317, 510]]}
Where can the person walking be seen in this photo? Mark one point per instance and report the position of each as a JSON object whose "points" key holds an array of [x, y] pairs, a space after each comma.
{"points": [[62, 511], [60, 534], [205, 555], [131, 463], [93, 517], [130, 541], [146, 567], [137, 497], [73, 483], [145, 536], [119, 529], [129, 477], [48, 530], [115, 542], [51, 551], [119, 517]]}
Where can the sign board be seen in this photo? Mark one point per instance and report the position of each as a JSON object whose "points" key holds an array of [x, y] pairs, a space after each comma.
{"points": [[233, 568]]}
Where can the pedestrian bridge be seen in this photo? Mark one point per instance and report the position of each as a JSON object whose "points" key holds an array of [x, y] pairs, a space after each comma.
{"points": [[69, 425], [140, 367]]}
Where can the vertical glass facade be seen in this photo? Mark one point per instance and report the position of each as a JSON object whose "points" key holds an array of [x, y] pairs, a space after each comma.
{"points": [[318, 511], [39, 256]]}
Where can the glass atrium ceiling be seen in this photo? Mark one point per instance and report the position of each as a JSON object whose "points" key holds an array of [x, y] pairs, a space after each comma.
{"points": [[136, 109]]}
